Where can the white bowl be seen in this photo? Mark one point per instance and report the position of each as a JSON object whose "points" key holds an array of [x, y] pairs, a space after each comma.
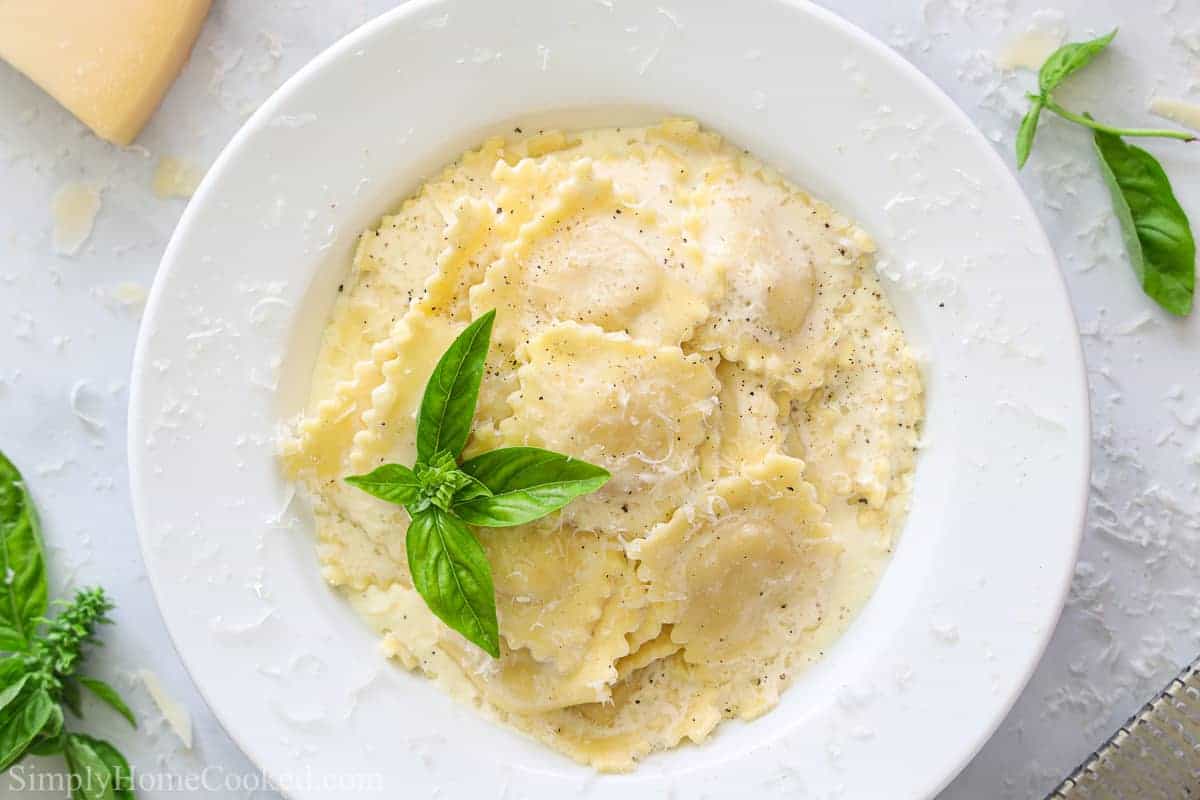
{"points": [[961, 616]]}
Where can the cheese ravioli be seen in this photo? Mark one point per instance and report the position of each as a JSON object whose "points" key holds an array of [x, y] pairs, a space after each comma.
{"points": [[677, 312]]}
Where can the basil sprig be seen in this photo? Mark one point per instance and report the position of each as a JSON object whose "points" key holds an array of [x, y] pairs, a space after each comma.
{"points": [[40, 658], [1155, 228], [497, 489]]}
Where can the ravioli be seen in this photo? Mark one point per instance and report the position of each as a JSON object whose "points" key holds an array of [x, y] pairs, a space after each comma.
{"points": [[562, 592], [675, 311], [743, 565], [596, 258], [633, 407], [789, 262]]}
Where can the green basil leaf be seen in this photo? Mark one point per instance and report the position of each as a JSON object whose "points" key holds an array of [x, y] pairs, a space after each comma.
{"points": [[1027, 131], [13, 677], [1154, 226], [12, 691], [392, 482], [23, 593], [450, 569], [120, 776], [92, 778], [12, 669], [50, 739], [118, 767], [471, 489], [43, 746], [526, 483], [52, 730], [1068, 59], [448, 406], [110, 696], [22, 720], [71, 696]]}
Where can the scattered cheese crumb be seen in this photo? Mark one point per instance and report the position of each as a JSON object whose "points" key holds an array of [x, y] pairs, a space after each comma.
{"points": [[175, 177], [175, 714], [24, 327], [130, 294], [75, 208], [1186, 114], [944, 632], [75, 400], [1030, 49]]}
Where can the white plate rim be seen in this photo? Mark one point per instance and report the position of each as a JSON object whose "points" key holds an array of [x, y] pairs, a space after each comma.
{"points": [[346, 45]]}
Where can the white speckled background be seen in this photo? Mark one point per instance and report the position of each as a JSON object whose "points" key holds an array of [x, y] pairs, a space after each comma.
{"points": [[1133, 618]]}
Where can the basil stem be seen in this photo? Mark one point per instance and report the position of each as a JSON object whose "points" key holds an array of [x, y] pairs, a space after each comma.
{"points": [[1088, 122]]}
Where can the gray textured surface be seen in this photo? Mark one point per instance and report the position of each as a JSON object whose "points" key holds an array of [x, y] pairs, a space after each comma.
{"points": [[1134, 613], [1153, 756]]}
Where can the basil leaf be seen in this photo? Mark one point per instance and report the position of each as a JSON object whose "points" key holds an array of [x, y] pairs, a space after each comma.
{"points": [[54, 725], [448, 406], [43, 746], [12, 691], [13, 677], [1068, 59], [526, 483], [12, 669], [70, 696], [1154, 226], [22, 720], [110, 696], [50, 738], [118, 767], [22, 563], [392, 482], [93, 780], [1027, 131], [471, 489], [98, 755], [450, 569]]}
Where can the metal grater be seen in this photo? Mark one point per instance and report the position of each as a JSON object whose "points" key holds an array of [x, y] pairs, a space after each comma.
{"points": [[1153, 756]]}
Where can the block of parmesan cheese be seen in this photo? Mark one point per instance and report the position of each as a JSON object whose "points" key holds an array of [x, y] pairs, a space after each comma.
{"points": [[108, 61]]}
